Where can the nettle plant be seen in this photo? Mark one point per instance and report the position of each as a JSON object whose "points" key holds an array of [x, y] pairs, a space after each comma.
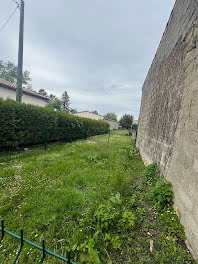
{"points": [[162, 194], [131, 152], [151, 172]]}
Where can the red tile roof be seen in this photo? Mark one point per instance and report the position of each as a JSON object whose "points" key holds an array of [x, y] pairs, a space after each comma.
{"points": [[25, 91]]}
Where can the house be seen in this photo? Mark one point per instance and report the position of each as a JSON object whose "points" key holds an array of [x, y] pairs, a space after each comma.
{"points": [[113, 124], [8, 90], [90, 115]]}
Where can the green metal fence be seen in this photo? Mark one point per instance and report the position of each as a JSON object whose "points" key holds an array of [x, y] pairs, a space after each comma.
{"points": [[42, 248]]}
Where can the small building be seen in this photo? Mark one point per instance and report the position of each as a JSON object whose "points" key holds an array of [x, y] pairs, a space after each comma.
{"points": [[8, 90], [90, 115], [113, 124]]}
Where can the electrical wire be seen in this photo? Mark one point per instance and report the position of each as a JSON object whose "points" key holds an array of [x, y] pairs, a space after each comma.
{"points": [[7, 21], [16, 2]]}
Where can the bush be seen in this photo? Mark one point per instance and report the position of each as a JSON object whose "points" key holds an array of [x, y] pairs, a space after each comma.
{"points": [[131, 152], [151, 172], [162, 194], [23, 124]]}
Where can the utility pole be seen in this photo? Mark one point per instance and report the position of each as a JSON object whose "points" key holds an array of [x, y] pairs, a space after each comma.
{"points": [[19, 92]]}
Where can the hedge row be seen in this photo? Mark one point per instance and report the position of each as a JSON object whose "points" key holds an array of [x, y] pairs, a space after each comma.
{"points": [[23, 125]]}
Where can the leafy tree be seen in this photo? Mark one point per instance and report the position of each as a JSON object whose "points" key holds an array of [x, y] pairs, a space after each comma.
{"points": [[73, 111], [126, 121], [65, 102], [43, 92], [95, 112], [55, 104], [111, 116], [52, 97], [8, 72]]}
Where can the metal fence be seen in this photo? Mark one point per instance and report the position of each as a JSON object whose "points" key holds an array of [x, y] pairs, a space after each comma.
{"points": [[42, 248]]}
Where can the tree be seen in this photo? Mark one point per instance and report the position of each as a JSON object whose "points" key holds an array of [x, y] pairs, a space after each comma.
{"points": [[65, 102], [73, 111], [55, 104], [126, 121], [111, 116], [52, 97], [8, 72], [95, 112], [43, 92]]}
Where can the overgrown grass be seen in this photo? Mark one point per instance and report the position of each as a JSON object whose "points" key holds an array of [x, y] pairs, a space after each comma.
{"points": [[93, 197]]}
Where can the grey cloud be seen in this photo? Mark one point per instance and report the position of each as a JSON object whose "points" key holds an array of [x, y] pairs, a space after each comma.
{"points": [[100, 51]]}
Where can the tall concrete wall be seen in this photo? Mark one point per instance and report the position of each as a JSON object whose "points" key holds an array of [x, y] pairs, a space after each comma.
{"points": [[168, 124]]}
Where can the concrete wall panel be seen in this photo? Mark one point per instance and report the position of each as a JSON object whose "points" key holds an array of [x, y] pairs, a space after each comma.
{"points": [[168, 124]]}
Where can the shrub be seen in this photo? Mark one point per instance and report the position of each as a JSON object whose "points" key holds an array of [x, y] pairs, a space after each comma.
{"points": [[162, 194], [23, 124], [151, 172], [106, 217], [131, 152]]}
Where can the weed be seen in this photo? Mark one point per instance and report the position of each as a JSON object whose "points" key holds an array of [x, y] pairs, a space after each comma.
{"points": [[131, 152], [162, 194], [151, 172]]}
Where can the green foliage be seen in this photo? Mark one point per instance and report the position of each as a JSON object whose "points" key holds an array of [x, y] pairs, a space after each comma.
{"points": [[73, 111], [107, 217], [43, 92], [54, 104], [162, 194], [23, 125], [111, 116], [133, 200], [151, 172], [126, 121], [112, 242], [116, 199], [128, 220], [171, 252], [131, 152], [56, 193], [170, 221], [8, 72]]}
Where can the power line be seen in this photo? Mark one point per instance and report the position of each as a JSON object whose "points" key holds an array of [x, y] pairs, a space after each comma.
{"points": [[16, 2], [7, 21]]}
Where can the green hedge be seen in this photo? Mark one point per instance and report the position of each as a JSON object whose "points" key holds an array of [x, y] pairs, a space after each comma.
{"points": [[23, 125]]}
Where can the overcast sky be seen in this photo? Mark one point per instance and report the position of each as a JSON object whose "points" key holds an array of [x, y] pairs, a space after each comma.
{"points": [[98, 50]]}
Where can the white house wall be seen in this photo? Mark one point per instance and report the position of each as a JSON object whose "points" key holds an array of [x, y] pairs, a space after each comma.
{"points": [[27, 99]]}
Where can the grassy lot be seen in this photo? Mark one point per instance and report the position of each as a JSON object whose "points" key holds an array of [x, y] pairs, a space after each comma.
{"points": [[92, 197]]}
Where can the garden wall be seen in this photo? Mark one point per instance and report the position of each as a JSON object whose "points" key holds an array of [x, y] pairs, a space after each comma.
{"points": [[168, 124]]}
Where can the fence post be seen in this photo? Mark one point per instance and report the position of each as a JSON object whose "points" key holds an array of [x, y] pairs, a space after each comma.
{"points": [[19, 251], [135, 136], [46, 137], [43, 249], [2, 230], [69, 254]]}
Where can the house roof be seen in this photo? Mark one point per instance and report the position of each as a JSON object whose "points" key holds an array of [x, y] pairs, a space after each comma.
{"points": [[88, 112], [12, 86], [97, 115]]}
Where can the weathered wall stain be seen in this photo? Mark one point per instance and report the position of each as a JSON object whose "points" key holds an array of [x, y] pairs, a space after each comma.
{"points": [[168, 124]]}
